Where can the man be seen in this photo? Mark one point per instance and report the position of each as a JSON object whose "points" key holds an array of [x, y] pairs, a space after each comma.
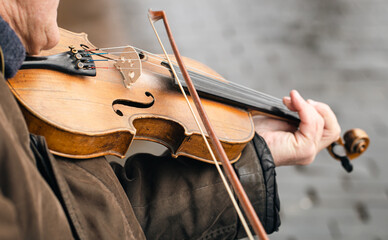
{"points": [[43, 197]]}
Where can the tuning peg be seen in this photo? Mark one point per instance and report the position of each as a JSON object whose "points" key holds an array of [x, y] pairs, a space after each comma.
{"points": [[355, 142]]}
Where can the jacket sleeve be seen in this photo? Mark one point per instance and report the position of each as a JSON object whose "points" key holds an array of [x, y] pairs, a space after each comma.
{"points": [[185, 199], [256, 170]]}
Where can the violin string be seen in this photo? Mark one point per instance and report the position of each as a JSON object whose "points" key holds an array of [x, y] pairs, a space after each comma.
{"points": [[233, 199], [107, 60], [248, 92], [150, 55], [245, 92], [151, 63], [275, 101], [102, 60], [243, 89], [113, 68], [213, 77], [115, 60], [107, 48], [157, 57], [103, 53]]}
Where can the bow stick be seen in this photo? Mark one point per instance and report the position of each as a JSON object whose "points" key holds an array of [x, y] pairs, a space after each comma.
{"points": [[220, 152]]}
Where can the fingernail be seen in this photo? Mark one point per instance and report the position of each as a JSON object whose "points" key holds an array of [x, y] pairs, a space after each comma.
{"points": [[297, 94]]}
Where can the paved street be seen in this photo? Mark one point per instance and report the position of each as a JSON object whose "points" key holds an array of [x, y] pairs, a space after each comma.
{"points": [[335, 51]]}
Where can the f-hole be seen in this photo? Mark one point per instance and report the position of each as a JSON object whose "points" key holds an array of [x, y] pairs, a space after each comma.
{"points": [[130, 103]]}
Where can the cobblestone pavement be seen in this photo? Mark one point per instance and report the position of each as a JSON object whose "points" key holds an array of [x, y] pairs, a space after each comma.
{"points": [[335, 51]]}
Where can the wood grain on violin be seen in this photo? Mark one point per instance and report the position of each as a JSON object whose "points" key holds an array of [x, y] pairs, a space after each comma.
{"points": [[83, 116]]}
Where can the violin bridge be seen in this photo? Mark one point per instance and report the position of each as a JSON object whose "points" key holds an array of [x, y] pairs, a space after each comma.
{"points": [[129, 65]]}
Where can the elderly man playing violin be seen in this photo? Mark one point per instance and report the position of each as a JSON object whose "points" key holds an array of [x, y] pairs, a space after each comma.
{"points": [[49, 197]]}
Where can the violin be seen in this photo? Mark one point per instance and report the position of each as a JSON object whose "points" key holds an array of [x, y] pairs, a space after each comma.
{"points": [[91, 102], [87, 105]]}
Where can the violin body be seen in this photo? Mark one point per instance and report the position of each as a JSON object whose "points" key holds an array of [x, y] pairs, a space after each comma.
{"points": [[86, 116]]}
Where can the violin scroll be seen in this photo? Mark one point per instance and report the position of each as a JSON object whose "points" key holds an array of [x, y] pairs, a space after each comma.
{"points": [[356, 142], [353, 144]]}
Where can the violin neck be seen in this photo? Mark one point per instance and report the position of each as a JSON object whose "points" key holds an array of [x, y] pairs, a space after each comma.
{"points": [[239, 96]]}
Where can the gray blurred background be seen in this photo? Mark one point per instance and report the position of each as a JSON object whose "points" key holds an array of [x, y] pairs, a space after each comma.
{"points": [[335, 51]]}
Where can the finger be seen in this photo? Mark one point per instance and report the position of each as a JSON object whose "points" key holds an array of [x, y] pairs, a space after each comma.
{"points": [[331, 126], [327, 114], [288, 103], [301, 106], [311, 123]]}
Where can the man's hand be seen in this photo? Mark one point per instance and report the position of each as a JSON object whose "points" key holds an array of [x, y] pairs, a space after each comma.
{"points": [[291, 145], [34, 21]]}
